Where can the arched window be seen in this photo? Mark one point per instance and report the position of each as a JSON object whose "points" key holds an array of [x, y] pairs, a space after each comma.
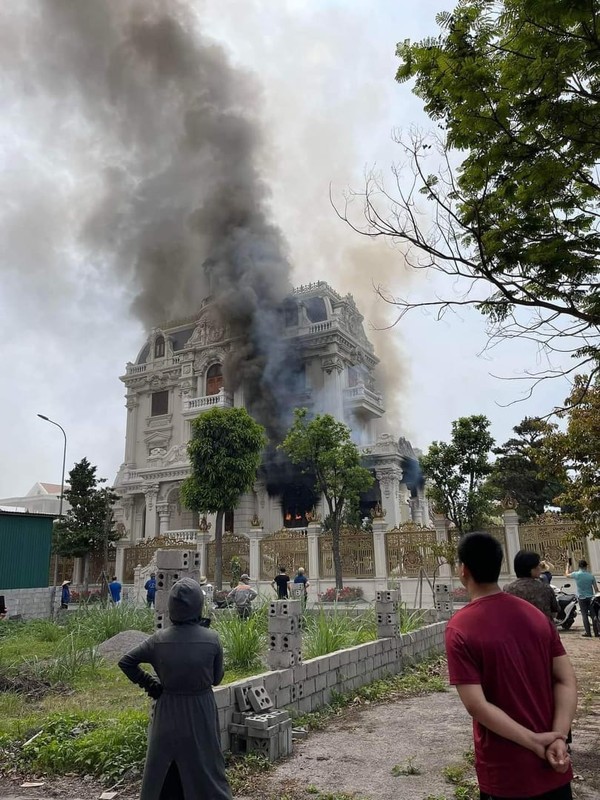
{"points": [[214, 379], [159, 347]]}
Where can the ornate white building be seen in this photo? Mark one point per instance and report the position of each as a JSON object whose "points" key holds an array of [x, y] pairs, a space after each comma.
{"points": [[178, 374]]}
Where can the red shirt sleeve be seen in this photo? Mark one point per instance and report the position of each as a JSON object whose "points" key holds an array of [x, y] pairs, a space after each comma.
{"points": [[556, 646], [462, 667]]}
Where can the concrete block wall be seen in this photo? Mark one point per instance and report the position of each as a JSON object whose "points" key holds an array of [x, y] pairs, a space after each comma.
{"points": [[29, 603], [310, 685]]}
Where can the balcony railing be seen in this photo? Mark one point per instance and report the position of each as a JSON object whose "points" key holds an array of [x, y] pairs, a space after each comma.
{"points": [[221, 400], [138, 369], [360, 395]]}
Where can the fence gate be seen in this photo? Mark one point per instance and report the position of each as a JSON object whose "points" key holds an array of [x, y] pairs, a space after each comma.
{"points": [[408, 549], [233, 547], [286, 548], [356, 552], [555, 538]]}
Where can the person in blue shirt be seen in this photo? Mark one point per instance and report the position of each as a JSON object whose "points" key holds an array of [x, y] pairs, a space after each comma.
{"points": [[301, 579], [65, 595], [150, 587], [114, 587], [586, 588]]}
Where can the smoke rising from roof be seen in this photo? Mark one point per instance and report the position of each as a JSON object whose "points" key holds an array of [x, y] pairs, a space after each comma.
{"points": [[159, 145]]}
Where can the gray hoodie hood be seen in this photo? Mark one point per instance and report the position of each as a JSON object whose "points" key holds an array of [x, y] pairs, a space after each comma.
{"points": [[185, 601]]}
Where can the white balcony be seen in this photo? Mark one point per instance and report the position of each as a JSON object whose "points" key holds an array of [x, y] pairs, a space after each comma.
{"points": [[361, 400], [222, 399]]}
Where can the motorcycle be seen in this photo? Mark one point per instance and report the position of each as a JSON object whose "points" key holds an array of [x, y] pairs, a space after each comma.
{"points": [[595, 613], [567, 604]]}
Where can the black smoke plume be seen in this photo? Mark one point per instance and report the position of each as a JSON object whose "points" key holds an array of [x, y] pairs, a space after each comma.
{"points": [[160, 134]]}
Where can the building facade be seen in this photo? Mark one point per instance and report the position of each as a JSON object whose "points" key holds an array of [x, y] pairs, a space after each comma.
{"points": [[178, 374], [42, 498]]}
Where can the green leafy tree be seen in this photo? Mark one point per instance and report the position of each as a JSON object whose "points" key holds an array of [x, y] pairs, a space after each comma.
{"points": [[513, 87], [526, 470], [323, 446], [225, 452], [579, 449], [456, 471], [87, 527]]}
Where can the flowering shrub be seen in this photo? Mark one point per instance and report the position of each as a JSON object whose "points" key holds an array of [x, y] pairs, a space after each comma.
{"points": [[346, 595], [460, 595]]}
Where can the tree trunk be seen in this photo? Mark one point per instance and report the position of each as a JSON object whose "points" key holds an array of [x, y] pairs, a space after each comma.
{"points": [[219, 550], [337, 559]]}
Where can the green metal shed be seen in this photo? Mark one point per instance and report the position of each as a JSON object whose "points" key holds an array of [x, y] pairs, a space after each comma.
{"points": [[25, 544]]}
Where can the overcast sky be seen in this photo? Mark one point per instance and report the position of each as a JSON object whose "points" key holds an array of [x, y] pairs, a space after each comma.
{"points": [[329, 106]]}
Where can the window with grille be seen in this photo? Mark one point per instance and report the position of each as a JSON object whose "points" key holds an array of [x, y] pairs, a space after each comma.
{"points": [[159, 347]]}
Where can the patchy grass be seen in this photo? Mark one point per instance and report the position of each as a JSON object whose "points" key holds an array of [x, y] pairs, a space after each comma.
{"points": [[423, 678], [409, 768]]}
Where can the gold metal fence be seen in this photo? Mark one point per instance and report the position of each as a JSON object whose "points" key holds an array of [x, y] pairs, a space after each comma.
{"points": [[233, 547], [356, 552], [555, 538], [142, 553], [408, 550], [286, 548]]}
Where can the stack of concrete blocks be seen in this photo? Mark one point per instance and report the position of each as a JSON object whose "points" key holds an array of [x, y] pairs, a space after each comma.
{"points": [[257, 727], [443, 600], [285, 636], [386, 613], [297, 591], [172, 566]]}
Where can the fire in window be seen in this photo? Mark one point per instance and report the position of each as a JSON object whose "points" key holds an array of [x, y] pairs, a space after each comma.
{"points": [[160, 403], [214, 379]]}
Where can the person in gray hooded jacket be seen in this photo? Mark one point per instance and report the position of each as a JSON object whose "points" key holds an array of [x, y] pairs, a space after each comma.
{"points": [[184, 760]]}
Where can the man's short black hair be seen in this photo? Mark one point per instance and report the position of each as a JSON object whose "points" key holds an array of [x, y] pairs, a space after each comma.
{"points": [[582, 564], [114, 577], [281, 569], [482, 556], [524, 562]]}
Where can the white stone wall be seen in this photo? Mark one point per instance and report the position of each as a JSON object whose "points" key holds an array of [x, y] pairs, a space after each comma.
{"points": [[30, 603], [308, 687]]}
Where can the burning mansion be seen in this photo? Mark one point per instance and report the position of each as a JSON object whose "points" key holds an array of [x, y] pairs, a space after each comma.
{"points": [[181, 372]]}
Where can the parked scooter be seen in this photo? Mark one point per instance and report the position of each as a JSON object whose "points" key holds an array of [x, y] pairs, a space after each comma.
{"points": [[567, 603], [595, 613]]}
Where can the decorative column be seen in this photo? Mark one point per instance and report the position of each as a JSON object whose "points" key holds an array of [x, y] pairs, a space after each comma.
{"points": [[78, 571], [405, 513], [120, 561], [389, 483], [203, 537], [379, 529], [511, 530], [440, 523], [314, 529], [164, 516], [131, 404], [151, 493], [594, 555], [333, 390], [255, 534]]}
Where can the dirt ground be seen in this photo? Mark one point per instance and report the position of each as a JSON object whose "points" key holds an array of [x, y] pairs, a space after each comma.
{"points": [[357, 751]]}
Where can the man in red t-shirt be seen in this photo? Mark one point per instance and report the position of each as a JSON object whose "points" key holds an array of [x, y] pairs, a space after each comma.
{"points": [[516, 681]]}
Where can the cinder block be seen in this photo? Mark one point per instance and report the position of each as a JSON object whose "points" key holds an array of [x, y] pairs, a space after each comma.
{"points": [[162, 621], [223, 698], [386, 631], [321, 681], [305, 705], [386, 608], [287, 624], [308, 686], [279, 660], [285, 608], [241, 697], [283, 697], [333, 678], [285, 641], [269, 748], [238, 730], [312, 668], [387, 596], [173, 560], [239, 717], [442, 588], [259, 699], [386, 619], [167, 577]]}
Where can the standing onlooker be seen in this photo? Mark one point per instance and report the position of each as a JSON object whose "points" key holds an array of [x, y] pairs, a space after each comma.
{"points": [[114, 587], [243, 595], [515, 680], [150, 587], [280, 583], [586, 588], [184, 760], [65, 594], [528, 586], [300, 579], [546, 573]]}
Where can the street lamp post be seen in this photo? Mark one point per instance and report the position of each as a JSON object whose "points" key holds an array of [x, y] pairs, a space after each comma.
{"points": [[62, 484]]}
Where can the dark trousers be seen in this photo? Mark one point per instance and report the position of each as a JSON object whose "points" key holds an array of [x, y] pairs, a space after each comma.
{"points": [[172, 788], [585, 606], [564, 793]]}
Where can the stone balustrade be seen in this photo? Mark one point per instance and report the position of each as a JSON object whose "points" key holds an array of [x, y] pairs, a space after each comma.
{"points": [[220, 400]]}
